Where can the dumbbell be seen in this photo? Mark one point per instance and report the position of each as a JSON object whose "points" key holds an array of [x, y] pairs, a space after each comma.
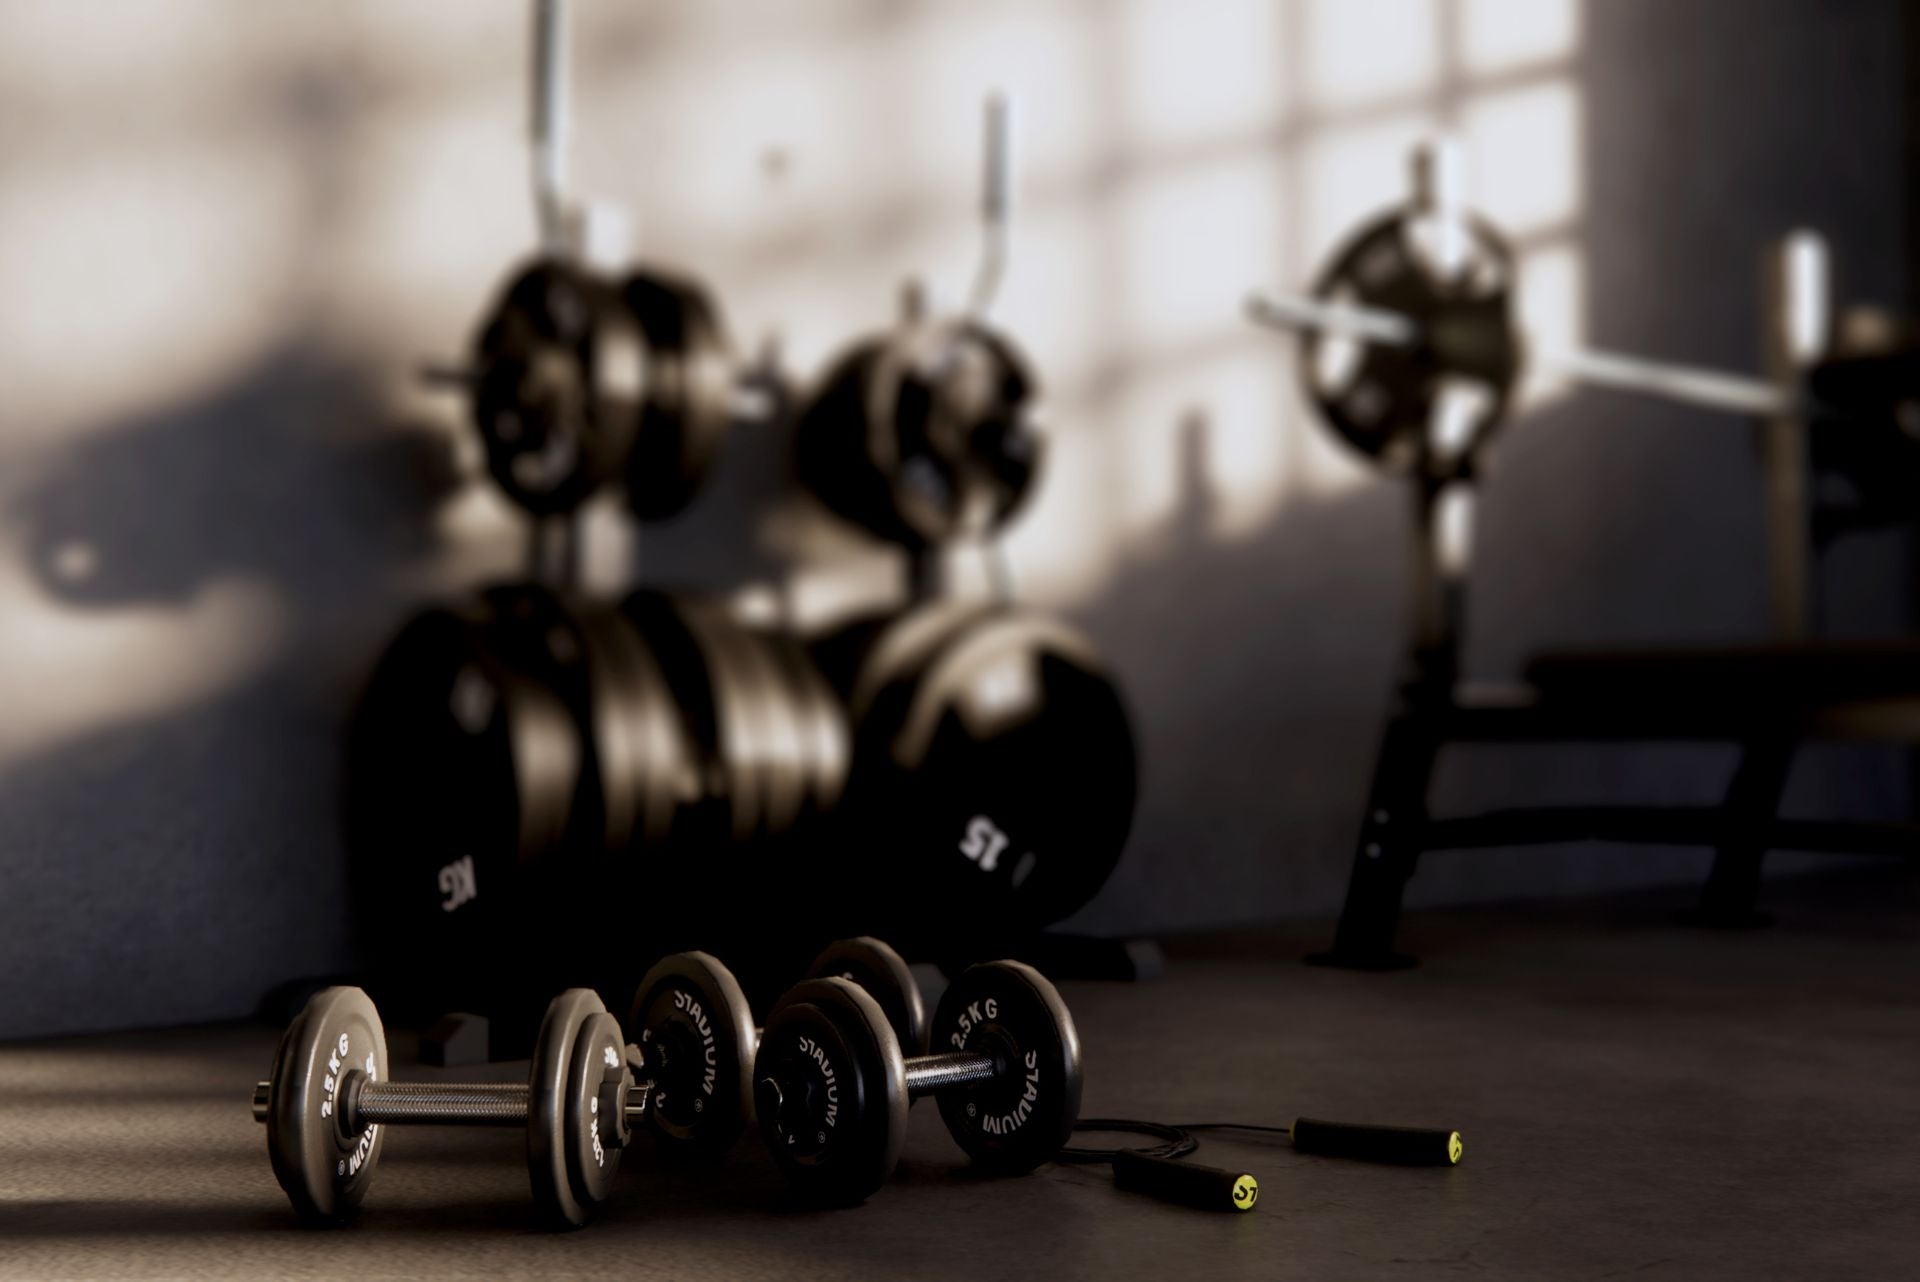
{"points": [[831, 1087], [696, 1033], [993, 778], [328, 1102]]}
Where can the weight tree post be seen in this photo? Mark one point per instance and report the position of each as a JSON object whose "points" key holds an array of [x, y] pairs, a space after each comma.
{"points": [[547, 123], [1798, 326], [1393, 829]]}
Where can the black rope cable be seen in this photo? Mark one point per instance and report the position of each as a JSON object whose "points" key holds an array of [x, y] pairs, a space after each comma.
{"points": [[1174, 1139]]}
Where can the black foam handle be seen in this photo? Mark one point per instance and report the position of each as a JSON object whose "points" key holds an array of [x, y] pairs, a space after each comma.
{"points": [[1404, 1145], [1207, 1187]]}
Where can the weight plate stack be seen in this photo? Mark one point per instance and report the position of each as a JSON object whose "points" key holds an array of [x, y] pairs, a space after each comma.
{"points": [[924, 436], [562, 365], [508, 752], [771, 744], [688, 403], [993, 778], [461, 775]]}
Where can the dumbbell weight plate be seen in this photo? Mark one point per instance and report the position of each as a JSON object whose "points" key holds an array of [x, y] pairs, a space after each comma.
{"points": [[841, 1116], [695, 1029], [325, 1172], [1381, 398], [563, 364], [883, 975], [570, 1055], [1009, 1010]]}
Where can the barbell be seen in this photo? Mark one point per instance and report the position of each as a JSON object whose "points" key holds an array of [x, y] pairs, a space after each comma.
{"points": [[1412, 348]]}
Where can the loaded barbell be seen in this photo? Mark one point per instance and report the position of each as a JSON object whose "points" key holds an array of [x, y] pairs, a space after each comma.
{"points": [[1417, 307]]}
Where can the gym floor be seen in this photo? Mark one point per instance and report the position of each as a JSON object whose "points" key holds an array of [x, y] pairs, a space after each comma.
{"points": [[1637, 1098]]}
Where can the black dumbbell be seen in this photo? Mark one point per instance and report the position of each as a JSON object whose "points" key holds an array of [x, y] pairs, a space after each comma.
{"points": [[328, 1101], [700, 1050], [831, 1086]]}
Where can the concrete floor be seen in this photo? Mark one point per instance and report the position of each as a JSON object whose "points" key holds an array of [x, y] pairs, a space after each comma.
{"points": [[1637, 1098]]}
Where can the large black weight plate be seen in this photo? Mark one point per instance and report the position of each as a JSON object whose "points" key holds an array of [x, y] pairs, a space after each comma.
{"points": [[903, 645], [695, 1030], [689, 393], [883, 975], [461, 777], [994, 781], [923, 436], [830, 1091], [1009, 1010], [561, 1108], [562, 366], [324, 1170], [1381, 399]]}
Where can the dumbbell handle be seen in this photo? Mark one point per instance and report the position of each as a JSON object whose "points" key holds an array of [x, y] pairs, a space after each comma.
{"points": [[369, 1103], [927, 1074], [1691, 385]]}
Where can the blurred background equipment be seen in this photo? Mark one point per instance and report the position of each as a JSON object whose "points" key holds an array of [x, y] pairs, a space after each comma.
{"points": [[925, 434], [526, 758], [1411, 351], [223, 494]]}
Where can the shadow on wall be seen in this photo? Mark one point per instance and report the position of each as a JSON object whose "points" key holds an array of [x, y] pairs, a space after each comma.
{"points": [[171, 867], [287, 475]]}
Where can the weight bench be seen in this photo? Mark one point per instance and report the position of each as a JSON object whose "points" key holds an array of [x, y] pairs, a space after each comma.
{"points": [[1410, 353], [1766, 699]]}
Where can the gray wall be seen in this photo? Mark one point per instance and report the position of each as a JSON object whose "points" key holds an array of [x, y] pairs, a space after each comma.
{"points": [[231, 234]]}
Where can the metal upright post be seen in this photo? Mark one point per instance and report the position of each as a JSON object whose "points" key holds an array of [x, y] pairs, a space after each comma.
{"points": [[1797, 333]]}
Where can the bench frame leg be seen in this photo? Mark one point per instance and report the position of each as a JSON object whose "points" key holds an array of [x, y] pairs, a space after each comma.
{"points": [[1727, 900], [1388, 850]]}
